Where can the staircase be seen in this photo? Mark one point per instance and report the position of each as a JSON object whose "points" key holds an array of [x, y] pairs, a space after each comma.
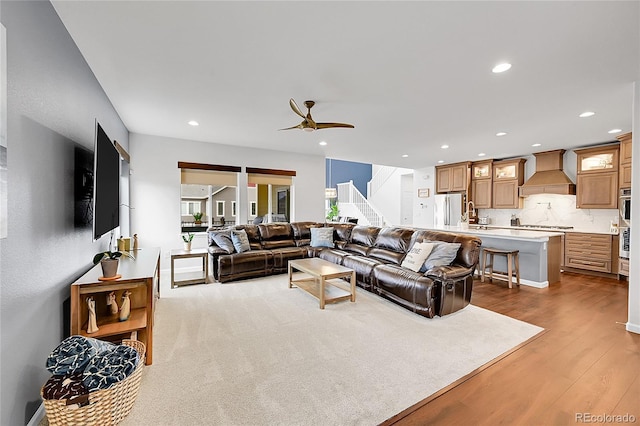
{"points": [[352, 203]]}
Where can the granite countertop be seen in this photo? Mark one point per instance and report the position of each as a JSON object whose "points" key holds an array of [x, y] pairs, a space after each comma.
{"points": [[512, 234], [575, 229]]}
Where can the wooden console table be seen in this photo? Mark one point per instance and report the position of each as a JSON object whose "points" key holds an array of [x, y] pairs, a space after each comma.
{"points": [[140, 276]]}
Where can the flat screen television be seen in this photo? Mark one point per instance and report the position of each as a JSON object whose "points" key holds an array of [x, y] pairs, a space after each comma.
{"points": [[106, 185]]}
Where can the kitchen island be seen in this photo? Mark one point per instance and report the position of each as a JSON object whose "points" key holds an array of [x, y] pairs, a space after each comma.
{"points": [[540, 252]]}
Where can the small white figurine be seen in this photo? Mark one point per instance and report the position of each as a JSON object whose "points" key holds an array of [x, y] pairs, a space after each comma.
{"points": [[111, 302], [125, 309], [92, 327]]}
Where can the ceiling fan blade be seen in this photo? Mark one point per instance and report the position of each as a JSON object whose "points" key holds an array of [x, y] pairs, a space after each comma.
{"points": [[295, 108], [330, 125], [299, 126]]}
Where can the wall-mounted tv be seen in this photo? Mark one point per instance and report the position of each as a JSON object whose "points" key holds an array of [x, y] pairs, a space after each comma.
{"points": [[106, 186]]}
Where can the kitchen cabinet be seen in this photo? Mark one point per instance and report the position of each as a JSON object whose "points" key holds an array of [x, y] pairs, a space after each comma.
{"points": [[508, 175], [591, 252], [597, 177], [625, 161], [482, 184], [453, 177], [623, 266]]}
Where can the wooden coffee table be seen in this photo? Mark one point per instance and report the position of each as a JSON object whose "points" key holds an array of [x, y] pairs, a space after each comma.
{"points": [[323, 280]]}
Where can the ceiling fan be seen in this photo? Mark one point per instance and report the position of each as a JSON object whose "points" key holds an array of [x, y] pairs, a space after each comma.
{"points": [[308, 124]]}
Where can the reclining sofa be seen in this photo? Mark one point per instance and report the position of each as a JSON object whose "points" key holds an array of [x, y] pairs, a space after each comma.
{"points": [[376, 255]]}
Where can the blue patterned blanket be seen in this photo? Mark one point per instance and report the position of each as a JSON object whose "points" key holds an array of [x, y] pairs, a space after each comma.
{"points": [[74, 353]]}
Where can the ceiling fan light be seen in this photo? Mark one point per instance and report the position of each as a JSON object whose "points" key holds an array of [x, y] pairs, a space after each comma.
{"points": [[308, 129], [501, 68]]}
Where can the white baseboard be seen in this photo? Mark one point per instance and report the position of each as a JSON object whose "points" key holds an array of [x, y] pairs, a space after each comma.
{"points": [[529, 283], [38, 416], [634, 328]]}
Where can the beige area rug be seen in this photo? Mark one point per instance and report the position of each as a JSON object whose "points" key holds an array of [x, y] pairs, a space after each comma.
{"points": [[258, 353]]}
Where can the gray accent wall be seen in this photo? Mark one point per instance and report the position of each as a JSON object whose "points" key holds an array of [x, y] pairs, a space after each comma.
{"points": [[53, 100]]}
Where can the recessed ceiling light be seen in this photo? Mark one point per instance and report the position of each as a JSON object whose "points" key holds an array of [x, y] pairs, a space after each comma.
{"points": [[536, 144], [323, 143], [405, 155], [501, 68], [587, 114], [501, 133], [440, 161], [614, 131], [444, 146], [193, 123], [482, 154]]}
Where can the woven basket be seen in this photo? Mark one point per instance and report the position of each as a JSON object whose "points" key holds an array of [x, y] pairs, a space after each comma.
{"points": [[104, 407]]}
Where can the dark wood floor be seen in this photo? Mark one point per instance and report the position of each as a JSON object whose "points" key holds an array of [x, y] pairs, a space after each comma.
{"points": [[584, 362]]}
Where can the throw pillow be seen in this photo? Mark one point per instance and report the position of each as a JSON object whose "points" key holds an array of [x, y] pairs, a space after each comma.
{"points": [[223, 240], [417, 255], [322, 237], [240, 240], [442, 254]]}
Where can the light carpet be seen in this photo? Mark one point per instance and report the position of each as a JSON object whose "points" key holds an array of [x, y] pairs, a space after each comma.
{"points": [[255, 352]]}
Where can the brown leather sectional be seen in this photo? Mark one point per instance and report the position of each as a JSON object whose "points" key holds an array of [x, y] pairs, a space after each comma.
{"points": [[376, 254]]}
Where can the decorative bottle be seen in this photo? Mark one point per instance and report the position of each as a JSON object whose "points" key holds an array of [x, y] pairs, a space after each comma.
{"points": [[125, 309]]}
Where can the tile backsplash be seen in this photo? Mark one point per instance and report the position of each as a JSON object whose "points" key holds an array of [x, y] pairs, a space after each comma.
{"points": [[555, 210]]}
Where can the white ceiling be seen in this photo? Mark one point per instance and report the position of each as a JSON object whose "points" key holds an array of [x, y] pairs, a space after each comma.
{"points": [[410, 76]]}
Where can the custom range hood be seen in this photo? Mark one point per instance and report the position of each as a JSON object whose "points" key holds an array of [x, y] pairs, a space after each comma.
{"points": [[549, 177]]}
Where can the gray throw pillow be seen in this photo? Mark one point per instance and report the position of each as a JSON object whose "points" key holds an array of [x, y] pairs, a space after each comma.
{"points": [[322, 237], [442, 254], [223, 240], [240, 240]]}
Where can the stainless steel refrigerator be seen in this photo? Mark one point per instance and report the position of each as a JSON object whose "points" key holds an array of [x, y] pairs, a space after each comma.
{"points": [[448, 209]]}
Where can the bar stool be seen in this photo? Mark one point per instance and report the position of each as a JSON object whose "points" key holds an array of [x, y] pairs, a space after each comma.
{"points": [[512, 259]]}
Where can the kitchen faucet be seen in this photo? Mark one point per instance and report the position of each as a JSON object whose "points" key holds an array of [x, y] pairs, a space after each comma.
{"points": [[473, 209]]}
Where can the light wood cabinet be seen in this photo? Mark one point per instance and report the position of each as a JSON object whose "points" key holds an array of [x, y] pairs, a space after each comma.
{"points": [[593, 252], [623, 266], [597, 180], [481, 191], [625, 160], [140, 276], [482, 184], [508, 175], [453, 177]]}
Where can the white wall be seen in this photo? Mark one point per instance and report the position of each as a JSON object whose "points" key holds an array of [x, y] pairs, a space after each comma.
{"points": [[388, 198], [155, 184], [423, 208], [633, 321]]}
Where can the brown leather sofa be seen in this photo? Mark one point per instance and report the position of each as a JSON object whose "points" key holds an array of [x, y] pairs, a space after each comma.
{"points": [[376, 254]]}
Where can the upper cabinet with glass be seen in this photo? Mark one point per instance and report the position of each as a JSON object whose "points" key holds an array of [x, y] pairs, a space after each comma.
{"points": [[598, 159], [481, 170], [510, 169]]}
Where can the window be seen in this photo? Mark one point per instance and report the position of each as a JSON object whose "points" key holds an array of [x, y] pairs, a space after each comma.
{"points": [[233, 208], [204, 189], [253, 208], [190, 207], [272, 192]]}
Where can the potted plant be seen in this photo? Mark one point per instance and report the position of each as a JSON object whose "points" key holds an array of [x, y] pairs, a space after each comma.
{"points": [[333, 212], [198, 218], [109, 262], [186, 239]]}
